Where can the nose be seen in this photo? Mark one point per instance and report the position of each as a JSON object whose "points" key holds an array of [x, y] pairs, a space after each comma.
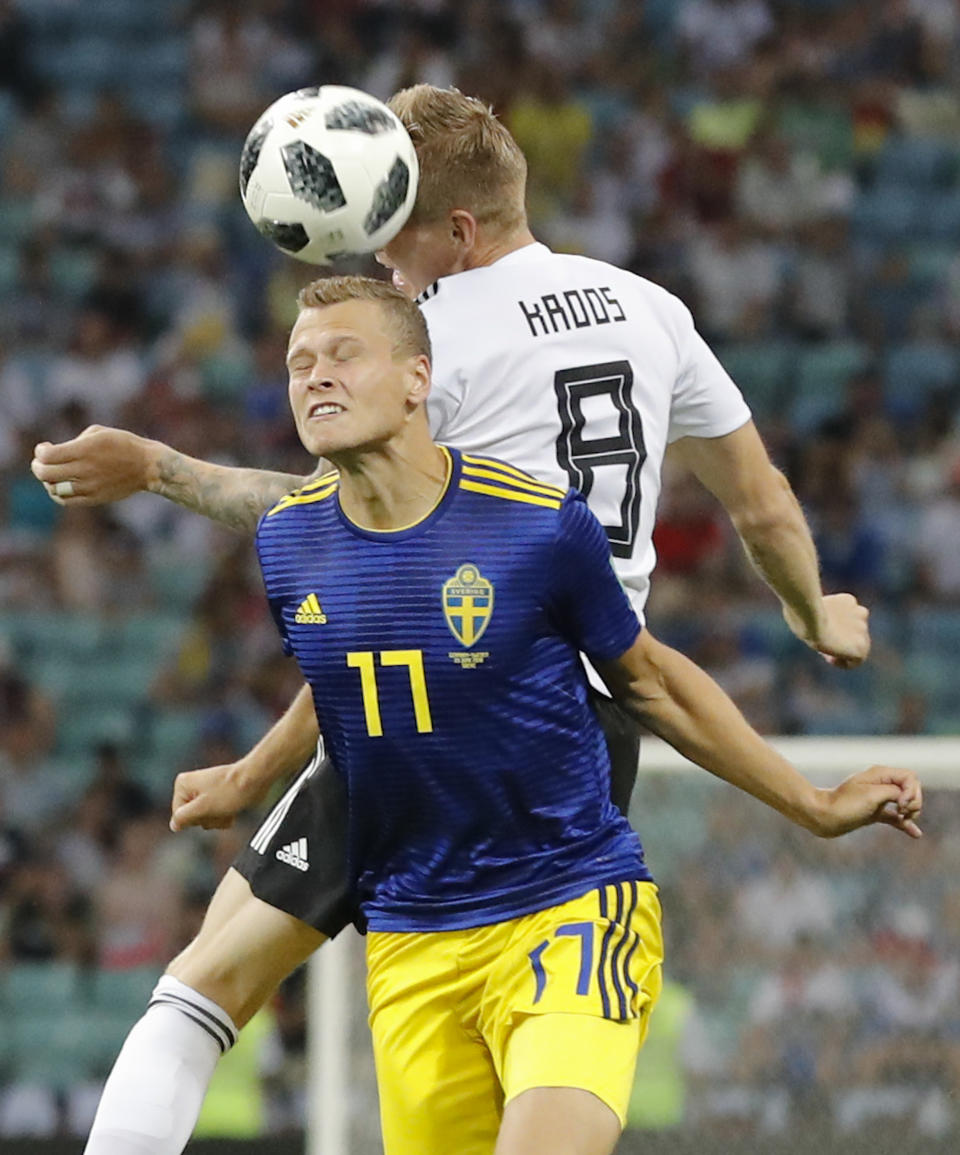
{"points": [[319, 380]]}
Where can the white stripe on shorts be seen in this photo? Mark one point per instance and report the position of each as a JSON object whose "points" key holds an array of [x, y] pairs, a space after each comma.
{"points": [[262, 839]]}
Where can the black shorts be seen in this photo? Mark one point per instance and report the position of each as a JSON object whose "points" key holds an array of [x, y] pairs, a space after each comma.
{"points": [[623, 745], [297, 860]]}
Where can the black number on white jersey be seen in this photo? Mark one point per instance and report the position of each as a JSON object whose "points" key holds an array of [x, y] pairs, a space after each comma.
{"points": [[585, 459]]}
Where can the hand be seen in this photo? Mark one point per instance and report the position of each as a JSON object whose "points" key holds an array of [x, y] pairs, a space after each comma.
{"points": [[843, 634], [101, 464], [211, 798], [880, 794]]}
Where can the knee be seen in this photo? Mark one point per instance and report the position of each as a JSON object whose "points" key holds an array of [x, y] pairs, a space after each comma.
{"points": [[224, 982]]}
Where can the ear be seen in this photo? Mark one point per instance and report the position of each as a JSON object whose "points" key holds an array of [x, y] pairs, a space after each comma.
{"points": [[463, 229], [419, 380]]}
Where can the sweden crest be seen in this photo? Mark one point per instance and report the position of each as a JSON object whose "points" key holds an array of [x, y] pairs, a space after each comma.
{"points": [[467, 604]]}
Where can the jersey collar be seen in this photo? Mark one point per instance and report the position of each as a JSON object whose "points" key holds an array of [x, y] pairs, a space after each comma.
{"points": [[443, 503], [519, 256]]}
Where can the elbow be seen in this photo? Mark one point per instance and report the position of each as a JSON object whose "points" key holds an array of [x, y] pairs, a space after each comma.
{"points": [[768, 507], [639, 680], [644, 696]]}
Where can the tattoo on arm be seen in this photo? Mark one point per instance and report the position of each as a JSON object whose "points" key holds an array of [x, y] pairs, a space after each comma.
{"points": [[234, 497]]}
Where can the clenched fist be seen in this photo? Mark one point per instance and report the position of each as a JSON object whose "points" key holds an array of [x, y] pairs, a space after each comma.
{"points": [[99, 466], [211, 798], [842, 634]]}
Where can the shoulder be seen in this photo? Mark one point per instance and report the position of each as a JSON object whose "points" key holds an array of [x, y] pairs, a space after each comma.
{"points": [[500, 482], [578, 522], [448, 309], [652, 298], [283, 513], [446, 302], [655, 296]]}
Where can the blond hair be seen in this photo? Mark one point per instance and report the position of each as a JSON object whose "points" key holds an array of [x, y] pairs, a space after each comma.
{"points": [[406, 321], [468, 159]]}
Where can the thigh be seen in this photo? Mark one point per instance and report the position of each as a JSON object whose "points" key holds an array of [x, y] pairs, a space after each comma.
{"points": [[622, 735], [569, 1001], [577, 1069], [438, 1089], [244, 950], [297, 860], [557, 1121]]}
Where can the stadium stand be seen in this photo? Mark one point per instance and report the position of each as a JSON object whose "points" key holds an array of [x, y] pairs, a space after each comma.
{"points": [[134, 642]]}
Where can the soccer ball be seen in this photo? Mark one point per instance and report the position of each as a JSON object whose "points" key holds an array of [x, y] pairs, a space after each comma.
{"points": [[328, 172]]}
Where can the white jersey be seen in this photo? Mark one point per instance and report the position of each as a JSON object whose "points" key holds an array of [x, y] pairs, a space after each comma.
{"points": [[581, 374]]}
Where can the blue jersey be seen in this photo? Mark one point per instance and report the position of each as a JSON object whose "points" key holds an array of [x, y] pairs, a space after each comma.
{"points": [[444, 660]]}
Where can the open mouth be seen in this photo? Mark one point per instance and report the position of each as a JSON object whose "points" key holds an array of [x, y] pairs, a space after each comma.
{"points": [[324, 409]]}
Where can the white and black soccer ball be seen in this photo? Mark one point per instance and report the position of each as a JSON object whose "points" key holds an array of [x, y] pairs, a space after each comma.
{"points": [[328, 172]]}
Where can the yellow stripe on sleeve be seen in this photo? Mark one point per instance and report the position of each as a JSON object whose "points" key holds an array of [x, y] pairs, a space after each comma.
{"points": [[300, 498], [528, 486], [510, 494], [491, 463], [320, 482]]}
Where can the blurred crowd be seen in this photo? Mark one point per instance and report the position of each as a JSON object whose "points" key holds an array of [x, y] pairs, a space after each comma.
{"points": [[808, 984], [790, 168]]}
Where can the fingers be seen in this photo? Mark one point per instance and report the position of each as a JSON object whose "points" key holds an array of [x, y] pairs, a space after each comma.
{"points": [[891, 817], [904, 803], [910, 808], [77, 495], [177, 807], [183, 820], [184, 797], [195, 813], [51, 473], [910, 797], [64, 461], [882, 796], [197, 802], [845, 640], [48, 453]]}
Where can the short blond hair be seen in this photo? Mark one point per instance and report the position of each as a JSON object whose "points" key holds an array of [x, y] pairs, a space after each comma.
{"points": [[411, 338], [468, 159]]}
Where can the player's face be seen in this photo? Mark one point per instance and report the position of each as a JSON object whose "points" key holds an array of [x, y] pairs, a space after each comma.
{"points": [[347, 388], [419, 254]]}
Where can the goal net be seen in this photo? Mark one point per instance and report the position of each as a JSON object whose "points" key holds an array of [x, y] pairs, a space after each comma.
{"points": [[812, 988]]}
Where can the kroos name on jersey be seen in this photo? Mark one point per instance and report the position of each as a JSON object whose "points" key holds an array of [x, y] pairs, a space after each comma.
{"points": [[572, 309]]}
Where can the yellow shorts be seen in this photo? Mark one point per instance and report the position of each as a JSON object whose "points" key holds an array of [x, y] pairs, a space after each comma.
{"points": [[463, 1021]]}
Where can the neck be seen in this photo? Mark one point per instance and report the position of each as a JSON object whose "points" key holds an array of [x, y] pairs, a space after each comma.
{"points": [[393, 485], [487, 250]]}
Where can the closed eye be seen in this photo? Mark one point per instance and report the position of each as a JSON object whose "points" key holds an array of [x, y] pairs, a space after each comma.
{"points": [[345, 350]]}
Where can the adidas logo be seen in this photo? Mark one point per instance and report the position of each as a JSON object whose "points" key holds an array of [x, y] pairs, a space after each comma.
{"points": [[310, 612], [295, 854]]}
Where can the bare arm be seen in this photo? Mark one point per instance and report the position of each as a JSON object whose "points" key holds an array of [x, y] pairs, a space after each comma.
{"points": [[774, 532], [104, 464], [675, 699], [213, 797], [236, 497]]}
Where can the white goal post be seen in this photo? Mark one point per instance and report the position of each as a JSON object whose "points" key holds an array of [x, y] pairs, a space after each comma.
{"points": [[334, 984]]}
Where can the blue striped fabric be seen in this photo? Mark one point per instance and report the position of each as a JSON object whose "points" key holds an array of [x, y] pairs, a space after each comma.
{"points": [[444, 661]]}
